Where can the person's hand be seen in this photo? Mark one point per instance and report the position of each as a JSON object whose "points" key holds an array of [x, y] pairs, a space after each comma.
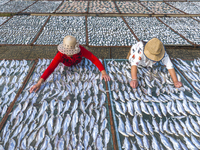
{"points": [[35, 87], [134, 83], [178, 84], [105, 76]]}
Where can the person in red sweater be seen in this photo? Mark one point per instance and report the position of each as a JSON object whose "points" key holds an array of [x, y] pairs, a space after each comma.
{"points": [[70, 53]]}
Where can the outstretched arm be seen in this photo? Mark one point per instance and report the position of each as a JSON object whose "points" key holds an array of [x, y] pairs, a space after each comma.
{"points": [[46, 73], [87, 54], [177, 83], [134, 82]]}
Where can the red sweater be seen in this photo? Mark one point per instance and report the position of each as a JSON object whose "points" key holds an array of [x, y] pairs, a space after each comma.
{"points": [[69, 61]]}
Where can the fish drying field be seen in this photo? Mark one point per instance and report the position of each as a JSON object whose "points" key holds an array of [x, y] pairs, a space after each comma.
{"points": [[75, 109], [71, 109]]}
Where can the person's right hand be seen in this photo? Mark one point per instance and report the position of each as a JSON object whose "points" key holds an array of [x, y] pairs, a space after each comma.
{"points": [[35, 88], [134, 83]]}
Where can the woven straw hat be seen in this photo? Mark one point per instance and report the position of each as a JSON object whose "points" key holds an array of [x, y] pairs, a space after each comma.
{"points": [[154, 49], [69, 46]]}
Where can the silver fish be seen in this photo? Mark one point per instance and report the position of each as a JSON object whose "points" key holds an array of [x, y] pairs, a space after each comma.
{"points": [[103, 99], [90, 109], [185, 128], [135, 125], [15, 112], [175, 143], [169, 110], [186, 107], [172, 128], [103, 125], [103, 113], [22, 134], [192, 107], [5, 129], [45, 143], [87, 120], [57, 127], [75, 106], [190, 128], [28, 113], [52, 105], [60, 144], [115, 95], [11, 146], [128, 127], [106, 137], [130, 108], [17, 131], [23, 144], [137, 108], [50, 125], [132, 96], [189, 144], [80, 133], [86, 139], [144, 108], [119, 108], [121, 97], [139, 141], [43, 120], [40, 136], [194, 124], [195, 142], [146, 142], [144, 128], [165, 127], [150, 109], [82, 106], [6, 137], [121, 126], [42, 109], [182, 145], [74, 120], [165, 142], [156, 110], [95, 131], [66, 107], [126, 144], [179, 128]]}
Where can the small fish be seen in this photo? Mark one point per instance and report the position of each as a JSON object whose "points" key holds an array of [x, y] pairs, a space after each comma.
{"points": [[156, 110], [165, 142], [121, 126], [103, 125], [43, 120], [165, 127], [95, 131], [106, 137], [175, 143], [189, 144], [126, 144], [119, 108], [57, 127], [74, 121], [137, 108], [150, 109], [144, 108], [144, 128], [135, 125], [75, 106], [11, 146]]}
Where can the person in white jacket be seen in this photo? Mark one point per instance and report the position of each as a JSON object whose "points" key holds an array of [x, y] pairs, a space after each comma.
{"points": [[147, 54]]}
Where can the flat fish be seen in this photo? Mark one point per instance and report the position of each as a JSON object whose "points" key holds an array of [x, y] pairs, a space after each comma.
{"points": [[121, 126], [66, 106], [50, 125], [165, 142], [74, 121], [75, 106], [135, 125], [126, 144]]}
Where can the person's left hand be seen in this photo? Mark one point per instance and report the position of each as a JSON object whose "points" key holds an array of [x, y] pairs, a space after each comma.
{"points": [[178, 84]]}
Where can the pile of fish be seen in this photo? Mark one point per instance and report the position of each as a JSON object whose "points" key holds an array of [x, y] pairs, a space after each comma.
{"points": [[109, 31], [155, 115], [190, 70], [102, 7], [73, 7], [188, 7], [15, 6], [4, 1], [60, 26], [131, 7], [12, 75], [68, 112], [186, 26], [21, 29], [160, 8], [3, 19], [146, 28], [43, 7]]}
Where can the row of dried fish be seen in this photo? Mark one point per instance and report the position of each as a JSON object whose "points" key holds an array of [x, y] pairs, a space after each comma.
{"points": [[15, 6], [56, 121], [188, 7], [109, 31], [147, 102], [187, 27], [73, 7], [12, 75], [161, 8], [21, 29], [3, 19], [191, 71], [151, 27], [102, 7], [131, 7], [43, 6], [60, 26]]}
